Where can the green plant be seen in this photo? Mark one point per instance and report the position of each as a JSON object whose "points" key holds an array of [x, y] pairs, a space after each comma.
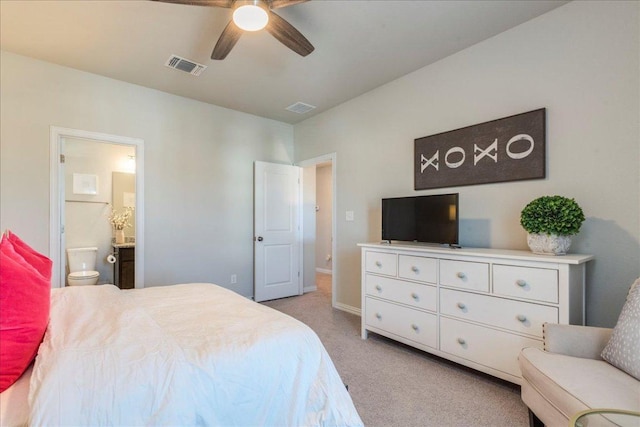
{"points": [[552, 215]]}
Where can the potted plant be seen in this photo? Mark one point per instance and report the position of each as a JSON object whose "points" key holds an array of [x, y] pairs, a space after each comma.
{"points": [[120, 221], [550, 222]]}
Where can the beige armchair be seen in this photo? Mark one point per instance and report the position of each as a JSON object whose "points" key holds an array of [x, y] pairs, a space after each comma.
{"points": [[569, 376]]}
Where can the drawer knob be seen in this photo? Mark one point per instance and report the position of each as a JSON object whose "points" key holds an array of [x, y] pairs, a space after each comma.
{"points": [[414, 296], [461, 306], [521, 318], [415, 269], [378, 316], [521, 283], [461, 341], [378, 288], [461, 275], [414, 327], [378, 264]]}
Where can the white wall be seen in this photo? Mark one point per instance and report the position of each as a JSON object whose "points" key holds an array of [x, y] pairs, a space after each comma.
{"points": [[198, 166], [579, 61]]}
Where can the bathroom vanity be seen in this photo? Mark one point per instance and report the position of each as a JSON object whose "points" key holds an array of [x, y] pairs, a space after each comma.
{"points": [[124, 269]]}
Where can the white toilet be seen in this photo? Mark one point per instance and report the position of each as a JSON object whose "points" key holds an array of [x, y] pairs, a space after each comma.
{"points": [[82, 266]]}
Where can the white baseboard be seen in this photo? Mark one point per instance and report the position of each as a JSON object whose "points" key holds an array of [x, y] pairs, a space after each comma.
{"points": [[323, 270], [348, 309], [309, 289]]}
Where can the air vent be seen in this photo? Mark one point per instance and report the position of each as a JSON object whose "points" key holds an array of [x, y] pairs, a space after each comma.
{"points": [[185, 65], [300, 108]]}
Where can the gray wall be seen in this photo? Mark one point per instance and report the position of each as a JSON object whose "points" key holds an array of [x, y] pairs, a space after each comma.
{"points": [[198, 166], [579, 61]]}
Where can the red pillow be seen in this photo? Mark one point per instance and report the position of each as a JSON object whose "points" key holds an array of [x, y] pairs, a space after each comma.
{"points": [[24, 312], [35, 259]]}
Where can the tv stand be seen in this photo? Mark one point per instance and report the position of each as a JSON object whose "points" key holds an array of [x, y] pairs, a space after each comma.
{"points": [[476, 307]]}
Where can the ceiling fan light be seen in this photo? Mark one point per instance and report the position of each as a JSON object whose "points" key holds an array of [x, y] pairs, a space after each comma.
{"points": [[250, 17]]}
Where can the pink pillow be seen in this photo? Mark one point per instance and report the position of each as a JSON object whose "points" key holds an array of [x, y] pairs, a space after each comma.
{"points": [[35, 259], [24, 311]]}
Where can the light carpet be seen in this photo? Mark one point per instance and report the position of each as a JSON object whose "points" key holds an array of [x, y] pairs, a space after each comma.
{"points": [[395, 385]]}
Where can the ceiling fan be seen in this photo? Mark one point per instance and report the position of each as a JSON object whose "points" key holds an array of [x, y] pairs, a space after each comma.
{"points": [[258, 14]]}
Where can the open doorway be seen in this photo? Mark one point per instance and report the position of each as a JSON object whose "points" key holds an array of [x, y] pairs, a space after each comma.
{"points": [[318, 219]]}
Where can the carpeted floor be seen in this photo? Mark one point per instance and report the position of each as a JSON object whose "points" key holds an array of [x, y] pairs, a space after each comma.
{"points": [[395, 385]]}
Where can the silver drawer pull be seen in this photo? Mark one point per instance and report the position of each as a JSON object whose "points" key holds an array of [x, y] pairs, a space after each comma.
{"points": [[461, 306], [521, 283], [461, 275], [414, 269], [461, 341], [521, 318], [414, 296], [378, 316], [414, 327], [378, 288], [378, 264]]}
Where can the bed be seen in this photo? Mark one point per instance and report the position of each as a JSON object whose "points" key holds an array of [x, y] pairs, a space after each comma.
{"points": [[188, 354]]}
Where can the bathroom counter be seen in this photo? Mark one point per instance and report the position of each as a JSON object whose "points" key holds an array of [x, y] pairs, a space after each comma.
{"points": [[123, 245]]}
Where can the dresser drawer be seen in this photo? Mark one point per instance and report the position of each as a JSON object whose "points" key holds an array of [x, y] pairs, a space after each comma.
{"points": [[465, 274], [488, 347], [420, 296], [540, 284], [518, 316], [418, 268], [381, 263], [405, 322]]}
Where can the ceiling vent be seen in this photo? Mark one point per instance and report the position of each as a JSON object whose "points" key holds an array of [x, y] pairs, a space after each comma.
{"points": [[300, 108], [185, 65]]}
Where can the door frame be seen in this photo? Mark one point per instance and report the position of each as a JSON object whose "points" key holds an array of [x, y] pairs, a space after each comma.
{"points": [[333, 158], [56, 197]]}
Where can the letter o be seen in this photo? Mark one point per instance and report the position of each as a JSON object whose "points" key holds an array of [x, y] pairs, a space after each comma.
{"points": [[524, 153], [451, 151]]}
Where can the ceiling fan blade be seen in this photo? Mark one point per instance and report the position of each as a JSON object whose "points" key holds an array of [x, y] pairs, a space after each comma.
{"points": [[216, 3], [227, 41], [278, 4], [288, 35]]}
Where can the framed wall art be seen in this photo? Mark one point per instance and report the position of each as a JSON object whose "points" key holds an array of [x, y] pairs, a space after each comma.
{"points": [[509, 149]]}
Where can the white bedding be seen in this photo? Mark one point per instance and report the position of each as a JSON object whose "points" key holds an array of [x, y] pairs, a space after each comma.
{"points": [[193, 354]]}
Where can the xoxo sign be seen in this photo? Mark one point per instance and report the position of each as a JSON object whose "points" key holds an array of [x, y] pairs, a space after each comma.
{"points": [[507, 149]]}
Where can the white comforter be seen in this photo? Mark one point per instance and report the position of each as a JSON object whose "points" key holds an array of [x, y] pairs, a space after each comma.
{"points": [[193, 354]]}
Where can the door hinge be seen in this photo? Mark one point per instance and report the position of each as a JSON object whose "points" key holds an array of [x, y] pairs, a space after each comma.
{"points": [[62, 229], [61, 158]]}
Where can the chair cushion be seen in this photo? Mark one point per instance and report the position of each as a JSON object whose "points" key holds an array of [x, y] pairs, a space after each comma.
{"points": [[623, 349], [573, 384], [24, 311]]}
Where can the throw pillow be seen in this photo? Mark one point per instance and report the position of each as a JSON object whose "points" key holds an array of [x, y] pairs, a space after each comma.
{"points": [[623, 349], [34, 258], [24, 312]]}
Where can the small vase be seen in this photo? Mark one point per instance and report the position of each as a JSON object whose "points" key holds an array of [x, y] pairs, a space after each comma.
{"points": [[548, 244], [119, 236]]}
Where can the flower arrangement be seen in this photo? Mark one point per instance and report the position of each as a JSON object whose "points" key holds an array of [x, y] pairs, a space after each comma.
{"points": [[120, 221]]}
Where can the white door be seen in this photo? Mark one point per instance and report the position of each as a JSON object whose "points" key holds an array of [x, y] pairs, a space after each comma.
{"points": [[276, 231]]}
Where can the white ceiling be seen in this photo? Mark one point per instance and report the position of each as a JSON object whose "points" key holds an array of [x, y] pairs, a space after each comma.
{"points": [[359, 45]]}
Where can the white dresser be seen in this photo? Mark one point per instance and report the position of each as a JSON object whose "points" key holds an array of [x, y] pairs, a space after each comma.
{"points": [[477, 307]]}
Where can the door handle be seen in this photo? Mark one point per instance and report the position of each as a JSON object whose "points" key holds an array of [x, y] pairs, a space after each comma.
{"points": [[259, 239]]}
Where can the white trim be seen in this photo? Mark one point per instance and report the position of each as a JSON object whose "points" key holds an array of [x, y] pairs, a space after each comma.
{"points": [[56, 205], [333, 158], [324, 270], [348, 309], [310, 289]]}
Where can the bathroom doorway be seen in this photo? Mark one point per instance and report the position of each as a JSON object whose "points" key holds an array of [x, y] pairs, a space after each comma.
{"points": [[319, 207], [92, 176]]}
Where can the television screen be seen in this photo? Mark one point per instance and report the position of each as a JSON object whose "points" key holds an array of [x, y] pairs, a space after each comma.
{"points": [[428, 219]]}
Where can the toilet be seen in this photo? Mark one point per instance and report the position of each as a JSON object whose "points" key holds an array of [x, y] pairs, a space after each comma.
{"points": [[82, 266]]}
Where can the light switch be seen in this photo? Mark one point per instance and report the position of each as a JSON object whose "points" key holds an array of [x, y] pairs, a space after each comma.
{"points": [[349, 215]]}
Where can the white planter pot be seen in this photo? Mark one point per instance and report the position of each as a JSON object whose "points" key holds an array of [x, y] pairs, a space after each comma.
{"points": [[548, 244]]}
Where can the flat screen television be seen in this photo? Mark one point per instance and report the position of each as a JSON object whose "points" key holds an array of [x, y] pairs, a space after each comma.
{"points": [[426, 219]]}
